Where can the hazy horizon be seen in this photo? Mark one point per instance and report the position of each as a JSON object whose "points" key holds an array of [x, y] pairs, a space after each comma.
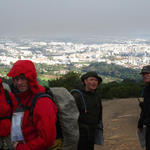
{"points": [[74, 17]]}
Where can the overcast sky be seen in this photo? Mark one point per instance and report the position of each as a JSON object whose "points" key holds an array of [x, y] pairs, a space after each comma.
{"points": [[69, 17]]}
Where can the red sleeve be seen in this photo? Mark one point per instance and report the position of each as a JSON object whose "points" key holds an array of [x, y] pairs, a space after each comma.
{"points": [[5, 109], [44, 119]]}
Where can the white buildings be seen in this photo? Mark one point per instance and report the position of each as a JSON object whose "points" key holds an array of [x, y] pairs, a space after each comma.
{"points": [[128, 53]]}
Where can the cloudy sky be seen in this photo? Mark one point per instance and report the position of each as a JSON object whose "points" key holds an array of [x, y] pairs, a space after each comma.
{"points": [[69, 17]]}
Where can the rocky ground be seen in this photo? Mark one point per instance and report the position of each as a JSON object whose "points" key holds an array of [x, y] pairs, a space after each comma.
{"points": [[120, 118]]}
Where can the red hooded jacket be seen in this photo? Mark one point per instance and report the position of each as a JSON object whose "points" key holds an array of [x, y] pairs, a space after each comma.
{"points": [[5, 111], [39, 131]]}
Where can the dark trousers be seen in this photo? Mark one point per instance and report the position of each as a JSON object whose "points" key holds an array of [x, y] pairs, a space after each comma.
{"points": [[87, 137], [85, 144], [148, 138]]}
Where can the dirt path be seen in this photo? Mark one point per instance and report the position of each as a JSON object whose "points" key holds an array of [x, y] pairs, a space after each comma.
{"points": [[120, 121]]}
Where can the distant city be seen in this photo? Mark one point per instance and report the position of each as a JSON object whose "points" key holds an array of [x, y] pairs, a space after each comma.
{"points": [[131, 53]]}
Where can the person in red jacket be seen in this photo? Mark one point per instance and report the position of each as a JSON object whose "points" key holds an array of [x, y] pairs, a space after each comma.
{"points": [[7, 106], [39, 131]]}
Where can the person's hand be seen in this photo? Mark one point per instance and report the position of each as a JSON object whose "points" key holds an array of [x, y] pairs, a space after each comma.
{"points": [[15, 145]]}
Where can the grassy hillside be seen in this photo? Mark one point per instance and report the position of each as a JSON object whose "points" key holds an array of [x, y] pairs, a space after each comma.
{"points": [[109, 72], [112, 71]]}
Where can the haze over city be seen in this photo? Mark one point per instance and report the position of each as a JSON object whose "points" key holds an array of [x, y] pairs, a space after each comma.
{"points": [[74, 17], [76, 32]]}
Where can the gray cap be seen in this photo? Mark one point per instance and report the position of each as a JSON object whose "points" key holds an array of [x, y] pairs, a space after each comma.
{"points": [[145, 69]]}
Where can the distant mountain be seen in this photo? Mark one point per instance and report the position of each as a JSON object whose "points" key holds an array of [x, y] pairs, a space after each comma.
{"points": [[113, 71]]}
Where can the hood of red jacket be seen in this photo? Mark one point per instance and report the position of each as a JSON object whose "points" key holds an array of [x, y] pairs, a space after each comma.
{"points": [[27, 68]]}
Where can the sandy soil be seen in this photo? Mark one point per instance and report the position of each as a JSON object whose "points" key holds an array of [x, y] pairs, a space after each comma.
{"points": [[120, 124]]}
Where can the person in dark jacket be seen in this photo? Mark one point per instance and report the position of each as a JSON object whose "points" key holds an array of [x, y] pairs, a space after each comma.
{"points": [[90, 109], [144, 119], [7, 106], [39, 130]]}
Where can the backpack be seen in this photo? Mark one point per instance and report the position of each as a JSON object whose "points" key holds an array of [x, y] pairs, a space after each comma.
{"points": [[67, 125]]}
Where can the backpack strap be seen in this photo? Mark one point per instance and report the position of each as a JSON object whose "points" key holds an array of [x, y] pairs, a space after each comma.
{"points": [[34, 100], [8, 100], [48, 94], [82, 98]]}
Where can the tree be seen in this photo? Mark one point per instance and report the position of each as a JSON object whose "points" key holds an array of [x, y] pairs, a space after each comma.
{"points": [[70, 81]]}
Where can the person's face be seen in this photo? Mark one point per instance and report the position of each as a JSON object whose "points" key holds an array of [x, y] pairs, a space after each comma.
{"points": [[146, 77], [91, 83], [21, 83]]}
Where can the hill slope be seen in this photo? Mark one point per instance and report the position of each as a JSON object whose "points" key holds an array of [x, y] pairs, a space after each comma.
{"points": [[113, 71]]}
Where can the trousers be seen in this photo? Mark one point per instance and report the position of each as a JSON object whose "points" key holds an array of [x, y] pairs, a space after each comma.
{"points": [[87, 137]]}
